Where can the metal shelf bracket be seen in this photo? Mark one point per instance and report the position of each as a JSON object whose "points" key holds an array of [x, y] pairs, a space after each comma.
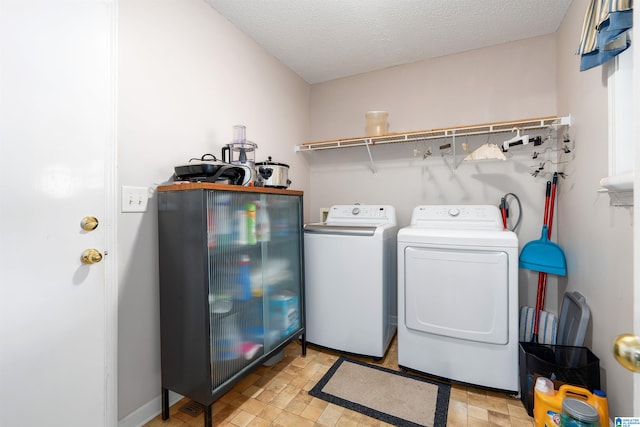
{"points": [[373, 166]]}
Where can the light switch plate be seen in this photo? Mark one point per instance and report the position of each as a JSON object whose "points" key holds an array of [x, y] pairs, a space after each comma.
{"points": [[134, 199]]}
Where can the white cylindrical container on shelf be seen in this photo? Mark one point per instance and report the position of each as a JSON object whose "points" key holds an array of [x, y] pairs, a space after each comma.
{"points": [[376, 122]]}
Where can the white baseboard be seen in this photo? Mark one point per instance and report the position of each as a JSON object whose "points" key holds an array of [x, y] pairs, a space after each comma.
{"points": [[148, 411]]}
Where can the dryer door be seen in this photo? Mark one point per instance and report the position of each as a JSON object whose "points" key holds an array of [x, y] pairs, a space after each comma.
{"points": [[457, 293]]}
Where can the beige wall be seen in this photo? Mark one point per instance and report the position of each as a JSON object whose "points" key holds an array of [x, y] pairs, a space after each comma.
{"points": [[529, 78], [506, 82], [598, 239], [186, 76]]}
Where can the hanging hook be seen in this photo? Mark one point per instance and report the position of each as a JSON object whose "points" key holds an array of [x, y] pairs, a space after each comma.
{"points": [[416, 152], [540, 174], [565, 143], [516, 140], [540, 168], [565, 149], [465, 145], [445, 149]]}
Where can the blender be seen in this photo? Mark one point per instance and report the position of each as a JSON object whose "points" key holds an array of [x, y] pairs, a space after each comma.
{"points": [[241, 152]]}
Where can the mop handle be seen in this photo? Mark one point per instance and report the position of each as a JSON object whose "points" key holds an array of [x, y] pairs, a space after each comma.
{"points": [[546, 203], [553, 203], [536, 315], [541, 276]]}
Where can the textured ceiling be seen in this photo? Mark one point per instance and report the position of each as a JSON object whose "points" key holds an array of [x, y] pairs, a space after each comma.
{"points": [[327, 39]]}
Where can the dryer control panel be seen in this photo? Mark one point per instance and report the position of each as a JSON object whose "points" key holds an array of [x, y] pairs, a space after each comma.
{"points": [[457, 216]]}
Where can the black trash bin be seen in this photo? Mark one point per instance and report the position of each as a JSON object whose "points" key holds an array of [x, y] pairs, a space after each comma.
{"points": [[567, 364]]}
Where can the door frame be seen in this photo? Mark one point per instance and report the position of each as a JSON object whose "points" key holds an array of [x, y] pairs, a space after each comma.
{"points": [[636, 214], [110, 221]]}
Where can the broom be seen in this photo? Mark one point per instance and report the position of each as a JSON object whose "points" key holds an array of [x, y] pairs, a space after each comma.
{"points": [[540, 316]]}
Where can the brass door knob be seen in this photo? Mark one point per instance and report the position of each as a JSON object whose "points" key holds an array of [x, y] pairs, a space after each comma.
{"points": [[89, 223], [91, 256], [626, 349]]}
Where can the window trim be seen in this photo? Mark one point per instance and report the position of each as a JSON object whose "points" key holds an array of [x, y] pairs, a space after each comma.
{"points": [[619, 183]]}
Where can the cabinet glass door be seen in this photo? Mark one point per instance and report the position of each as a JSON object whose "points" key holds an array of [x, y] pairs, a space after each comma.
{"points": [[281, 271], [253, 246]]}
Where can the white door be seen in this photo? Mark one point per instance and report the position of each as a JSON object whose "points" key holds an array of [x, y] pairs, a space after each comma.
{"points": [[57, 145]]}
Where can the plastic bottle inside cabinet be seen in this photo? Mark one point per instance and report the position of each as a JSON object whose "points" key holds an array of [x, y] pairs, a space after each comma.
{"points": [[263, 224], [244, 279], [251, 223]]}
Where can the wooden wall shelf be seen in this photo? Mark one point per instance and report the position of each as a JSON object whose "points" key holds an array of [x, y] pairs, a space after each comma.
{"points": [[425, 135]]}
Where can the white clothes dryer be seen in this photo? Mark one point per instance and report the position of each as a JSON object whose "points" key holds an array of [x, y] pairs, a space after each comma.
{"points": [[458, 295], [350, 279]]}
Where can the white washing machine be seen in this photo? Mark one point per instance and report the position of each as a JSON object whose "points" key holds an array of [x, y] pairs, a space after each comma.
{"points": [[458, 295], [350, 279]]}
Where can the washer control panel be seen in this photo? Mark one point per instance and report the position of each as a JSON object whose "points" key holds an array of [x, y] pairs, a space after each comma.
{"points": [[362, 213], [457, 216]]}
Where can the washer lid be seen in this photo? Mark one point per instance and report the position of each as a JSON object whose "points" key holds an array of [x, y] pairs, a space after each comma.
{"points": [[345, 230]]}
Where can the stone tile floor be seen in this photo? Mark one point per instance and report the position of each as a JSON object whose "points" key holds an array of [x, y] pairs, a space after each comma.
{"points": [[278, 396]]}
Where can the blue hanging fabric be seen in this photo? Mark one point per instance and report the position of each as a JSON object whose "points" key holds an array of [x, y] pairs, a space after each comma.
{"points": [[605, 31]]}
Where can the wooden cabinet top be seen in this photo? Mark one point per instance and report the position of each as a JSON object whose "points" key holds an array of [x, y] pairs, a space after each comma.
{"points": [[182, 186]]}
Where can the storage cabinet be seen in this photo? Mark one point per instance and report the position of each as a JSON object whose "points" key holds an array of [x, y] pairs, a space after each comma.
{"points": [[231, 284]]}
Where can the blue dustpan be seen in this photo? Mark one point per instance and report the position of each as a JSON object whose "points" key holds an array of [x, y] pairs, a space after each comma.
{"points": [[544, 256]]}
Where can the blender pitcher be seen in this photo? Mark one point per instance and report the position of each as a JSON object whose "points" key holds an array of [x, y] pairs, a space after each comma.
{"points": [[240, 151]]}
